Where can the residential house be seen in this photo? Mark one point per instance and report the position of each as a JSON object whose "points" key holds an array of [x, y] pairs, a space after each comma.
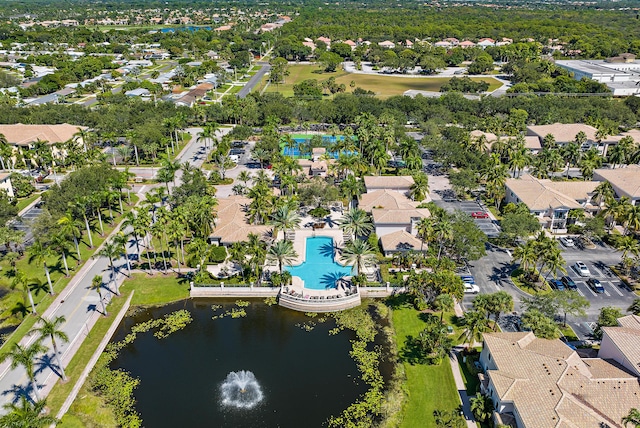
{"points": [[625, 181], [400, 184], [400, 242], [23, 135], [232, 224], [195, 94], [467, 44], [385, 198], [540, 383], [622, 344], [565, 133], [387, 221], [486, 42], [550, 201], [326, 40], [6, 185], [387, 44]]}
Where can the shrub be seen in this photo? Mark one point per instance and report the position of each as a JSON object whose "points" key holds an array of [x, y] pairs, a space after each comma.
{"points": [[218, 254]]}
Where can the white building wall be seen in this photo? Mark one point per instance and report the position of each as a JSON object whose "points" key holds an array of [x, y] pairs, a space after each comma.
{"points": [[609, 350], [7, 187], [382, 230]]}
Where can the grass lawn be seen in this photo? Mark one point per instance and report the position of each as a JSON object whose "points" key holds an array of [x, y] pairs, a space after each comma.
{"points": [[429, 387], [383, 85], [24, 202], [61, 391], [36, 272], [156, 290], [470, 374], [568, 332]]}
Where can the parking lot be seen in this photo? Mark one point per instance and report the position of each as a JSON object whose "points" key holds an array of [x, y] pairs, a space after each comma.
{"points": [[24, 223], [486, 225]]}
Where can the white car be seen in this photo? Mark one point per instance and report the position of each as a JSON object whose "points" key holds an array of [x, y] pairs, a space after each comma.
{"points": [[471, 288], [582, 269], [567, 241]]}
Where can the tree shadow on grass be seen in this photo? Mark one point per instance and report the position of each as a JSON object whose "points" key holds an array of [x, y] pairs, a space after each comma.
{"points": [[411, 352], [398, 301]]}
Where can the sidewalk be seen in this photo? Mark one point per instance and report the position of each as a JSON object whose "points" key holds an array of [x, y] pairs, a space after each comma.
{"points": [[462, 390]]}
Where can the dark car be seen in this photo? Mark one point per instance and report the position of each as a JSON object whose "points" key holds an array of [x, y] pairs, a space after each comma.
{"points": [[595, 285], [557, 284], [568, 282], [236, 152]]}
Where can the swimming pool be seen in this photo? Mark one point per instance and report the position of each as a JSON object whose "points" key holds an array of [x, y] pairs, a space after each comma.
{"points": [[319, 271], [326, 139]]}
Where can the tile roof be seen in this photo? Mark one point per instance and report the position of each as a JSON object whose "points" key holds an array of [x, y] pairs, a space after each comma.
{"points": [[551, 386], [544, 194], [532, 142], [563, 132], [401, 241], [388, 182], [630, 321], [627, 340], [384, 216], [626, 179], [22, 135], [232, 224], [387, 199]]}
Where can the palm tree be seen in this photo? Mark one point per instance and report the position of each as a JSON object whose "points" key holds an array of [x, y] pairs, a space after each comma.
{"points": [[20, 280], [283, 252], [25, 356], [555, 262], [96, 284], [82, 204], [111, 250], [40, 253], [51, 329], [420, 187], [284, 218], [443, 231], [481, 407], [633, 418], [121, 239], [603, 193], [359, 254], [351, 187], [475, 323], [425, 231], [60, 244], [635, 307], [27, 414], [167, 171], [444, 302], [357, 223]]}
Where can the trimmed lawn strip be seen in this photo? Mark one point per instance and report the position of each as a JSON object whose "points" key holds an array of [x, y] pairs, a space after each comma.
{"points": [[568, 332], [61, 391], [383, 85], [429, 387], [59, 281], [157, 289], [469, 374], [24, 202]]}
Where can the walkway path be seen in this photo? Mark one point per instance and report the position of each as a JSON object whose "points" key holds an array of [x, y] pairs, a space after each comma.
{"points": [[80, 305], [462, 390]]}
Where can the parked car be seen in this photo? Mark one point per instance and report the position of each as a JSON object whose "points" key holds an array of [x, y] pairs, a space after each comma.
{"points": [[236, 152], [567, 241], [595, 285], [568, 282], [479, 214], [582, 269], [557, 284], [470, 288], [468, 279]]}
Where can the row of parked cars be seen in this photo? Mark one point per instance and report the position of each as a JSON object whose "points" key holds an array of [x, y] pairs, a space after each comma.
{"points": [[583, 271]]}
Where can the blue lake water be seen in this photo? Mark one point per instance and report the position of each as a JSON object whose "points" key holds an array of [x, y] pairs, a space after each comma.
{"points": [[319, 271]]}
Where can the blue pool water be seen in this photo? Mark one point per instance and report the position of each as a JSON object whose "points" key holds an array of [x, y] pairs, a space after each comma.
{"points": [[295, 151], [319, 271]]}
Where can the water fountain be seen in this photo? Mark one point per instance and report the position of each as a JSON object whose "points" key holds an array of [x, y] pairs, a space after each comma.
{"points": [[241, 390]]}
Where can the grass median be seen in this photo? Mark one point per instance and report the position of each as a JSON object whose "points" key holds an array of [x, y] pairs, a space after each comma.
{"points": [[429, 387]]}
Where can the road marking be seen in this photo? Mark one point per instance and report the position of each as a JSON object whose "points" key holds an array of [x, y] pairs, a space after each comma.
{"points": [[607, 293], [590, 290], [615, 288], [597, 271], [580, 292]]}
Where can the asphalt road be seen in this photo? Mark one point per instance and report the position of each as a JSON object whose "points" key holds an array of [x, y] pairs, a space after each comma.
{"points": [[80, 306], [246, 90]]}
